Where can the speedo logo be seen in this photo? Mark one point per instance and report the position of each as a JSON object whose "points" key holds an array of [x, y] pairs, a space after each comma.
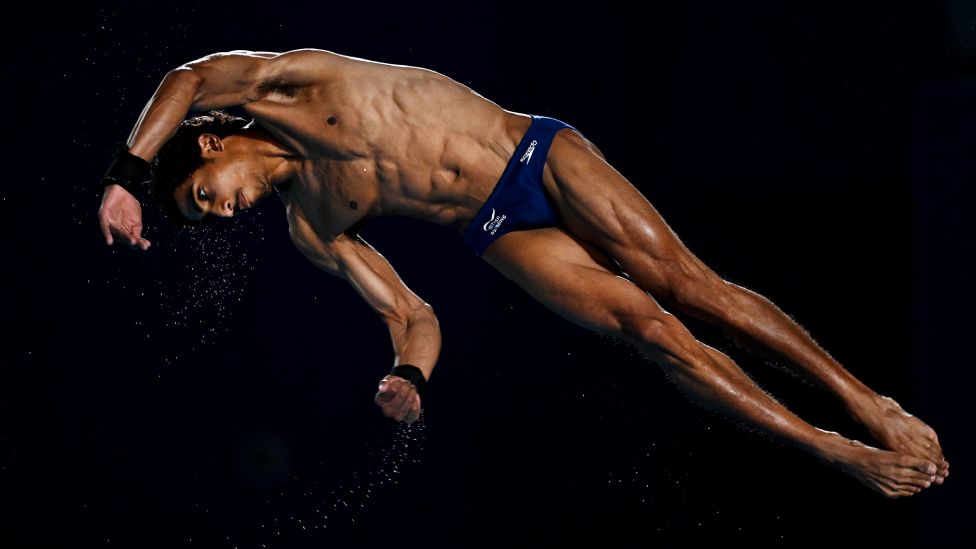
{"points": [[528, 154], [492, 224]]}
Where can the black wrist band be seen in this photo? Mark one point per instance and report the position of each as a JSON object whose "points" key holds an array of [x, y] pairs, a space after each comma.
{"points": [[412, 374], [127, 170]]}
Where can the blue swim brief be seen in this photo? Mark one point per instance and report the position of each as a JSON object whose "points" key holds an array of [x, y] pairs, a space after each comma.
{"points": [[518, 200]]}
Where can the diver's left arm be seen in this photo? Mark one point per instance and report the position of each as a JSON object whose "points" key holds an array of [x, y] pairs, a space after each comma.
{"points": [[413, 326], [412, 323]]}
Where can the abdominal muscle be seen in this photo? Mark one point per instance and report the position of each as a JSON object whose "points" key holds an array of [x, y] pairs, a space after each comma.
{"points": [[452, 188], [406, 141]]}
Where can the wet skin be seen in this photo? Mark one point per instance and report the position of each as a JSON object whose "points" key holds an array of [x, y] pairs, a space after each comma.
{"points": [[342, 140]]}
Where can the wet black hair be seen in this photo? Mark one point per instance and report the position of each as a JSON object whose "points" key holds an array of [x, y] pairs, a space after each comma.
{"points": [[180, 156]]}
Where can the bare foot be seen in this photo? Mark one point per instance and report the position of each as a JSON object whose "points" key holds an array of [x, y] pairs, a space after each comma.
{"points": [[889, 473], [900, 431]]}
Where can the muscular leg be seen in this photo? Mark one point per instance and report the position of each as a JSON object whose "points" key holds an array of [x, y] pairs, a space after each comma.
{"points": [[600, 206], [571, 278]]}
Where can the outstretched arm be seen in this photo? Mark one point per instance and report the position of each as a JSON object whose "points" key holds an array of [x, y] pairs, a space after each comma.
{"points": [[413, 325], [218, 80]]}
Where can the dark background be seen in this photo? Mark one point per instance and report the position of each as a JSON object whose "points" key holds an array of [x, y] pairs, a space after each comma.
{"points": [[216, 391]]}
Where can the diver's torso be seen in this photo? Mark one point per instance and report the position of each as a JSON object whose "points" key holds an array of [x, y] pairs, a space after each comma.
{"points": [[382, 139]]}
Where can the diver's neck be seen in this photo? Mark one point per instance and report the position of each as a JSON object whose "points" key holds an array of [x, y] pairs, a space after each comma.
{"points": [[277, 164]]}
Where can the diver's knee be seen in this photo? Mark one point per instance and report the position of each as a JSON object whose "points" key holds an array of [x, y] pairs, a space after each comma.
{"points": [[698, 292], [651, 329]]}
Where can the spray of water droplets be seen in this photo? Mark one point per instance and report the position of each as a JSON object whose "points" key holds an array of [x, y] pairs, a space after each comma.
{"points": [[305, 511], [202, 274], [202, 297]]}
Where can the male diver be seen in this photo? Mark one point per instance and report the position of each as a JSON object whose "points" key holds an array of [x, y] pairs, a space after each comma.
{"points": [[344, 139]]}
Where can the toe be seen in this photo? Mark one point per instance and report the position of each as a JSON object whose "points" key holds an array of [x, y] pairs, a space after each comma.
{"points": [[912, 486], [915, 483], [919, 464], [916, 477]]}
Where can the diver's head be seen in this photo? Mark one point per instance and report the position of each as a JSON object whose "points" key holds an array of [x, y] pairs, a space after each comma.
{"points": [[208, 169]]}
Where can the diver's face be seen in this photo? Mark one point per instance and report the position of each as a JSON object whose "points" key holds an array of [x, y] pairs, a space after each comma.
{"points": [[223, 187]]}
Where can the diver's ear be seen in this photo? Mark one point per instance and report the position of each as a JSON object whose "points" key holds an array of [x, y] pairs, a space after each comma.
{"points": [[209, 144]]}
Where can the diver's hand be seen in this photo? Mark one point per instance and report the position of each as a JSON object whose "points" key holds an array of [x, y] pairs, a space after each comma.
{"points": [[121, 214], [399, 399]]}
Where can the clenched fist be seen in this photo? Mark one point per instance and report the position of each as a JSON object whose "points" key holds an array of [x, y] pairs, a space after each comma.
{"points": [[399, 399]]}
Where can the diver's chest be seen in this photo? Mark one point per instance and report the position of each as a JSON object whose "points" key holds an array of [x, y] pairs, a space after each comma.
{"points": [[328, 206]]}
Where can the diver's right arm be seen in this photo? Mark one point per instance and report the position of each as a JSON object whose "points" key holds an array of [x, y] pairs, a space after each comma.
{"points": [[216, 81], [120, 212], [221, 80]]}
